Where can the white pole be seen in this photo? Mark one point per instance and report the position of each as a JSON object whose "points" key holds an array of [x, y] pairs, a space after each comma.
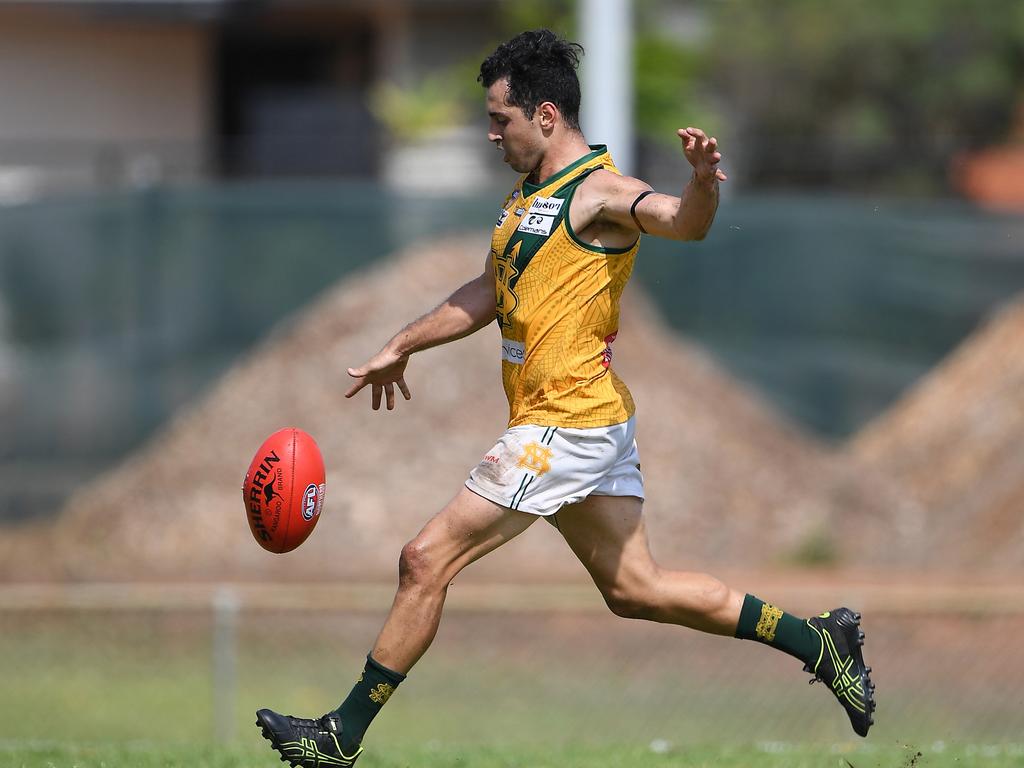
{"points": [[225, 665], [606, 28]]}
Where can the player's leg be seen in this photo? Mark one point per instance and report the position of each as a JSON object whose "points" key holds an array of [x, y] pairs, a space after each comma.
{"points": [[466, 529], [608, 535]]}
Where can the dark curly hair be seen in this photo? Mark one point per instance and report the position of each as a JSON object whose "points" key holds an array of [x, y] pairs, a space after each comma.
{"points": [[540, 66]]}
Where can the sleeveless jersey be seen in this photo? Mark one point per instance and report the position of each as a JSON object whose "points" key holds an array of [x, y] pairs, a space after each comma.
{"points": [[558, 306]]}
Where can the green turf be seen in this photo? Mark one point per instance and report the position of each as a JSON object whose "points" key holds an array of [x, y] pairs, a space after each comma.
{"points": [[497, 690], [770, 755]]}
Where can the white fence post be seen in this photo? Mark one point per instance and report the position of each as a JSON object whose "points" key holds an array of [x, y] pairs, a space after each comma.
{"points": [[225, 663]]}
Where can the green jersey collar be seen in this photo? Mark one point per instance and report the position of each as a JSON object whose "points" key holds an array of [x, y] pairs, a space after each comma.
{"points": [[596, 150]]}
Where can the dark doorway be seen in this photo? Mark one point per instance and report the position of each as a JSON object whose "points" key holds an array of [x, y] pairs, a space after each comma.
{"points": [[293, 102]]}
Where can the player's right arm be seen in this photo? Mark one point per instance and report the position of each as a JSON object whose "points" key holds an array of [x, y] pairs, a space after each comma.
{"points": [[466, 311]]}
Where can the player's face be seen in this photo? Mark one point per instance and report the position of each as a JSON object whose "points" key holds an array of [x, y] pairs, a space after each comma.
{"points": [[520, 140]]}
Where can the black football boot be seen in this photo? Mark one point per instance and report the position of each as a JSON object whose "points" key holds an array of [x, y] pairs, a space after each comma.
{"points": [[840, 665], [304, 742]]}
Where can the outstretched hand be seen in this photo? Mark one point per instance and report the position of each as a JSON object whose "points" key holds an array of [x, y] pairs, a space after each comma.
{"points": [[702, 153], [383, 371]]}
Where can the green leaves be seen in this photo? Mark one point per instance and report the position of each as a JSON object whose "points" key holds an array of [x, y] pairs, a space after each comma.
{"points": [[873, 83]]}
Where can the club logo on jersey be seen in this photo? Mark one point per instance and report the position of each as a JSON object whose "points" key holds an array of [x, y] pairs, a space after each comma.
{"points": [[536, 458], [606, 356], [501, 218], [505, 274]]}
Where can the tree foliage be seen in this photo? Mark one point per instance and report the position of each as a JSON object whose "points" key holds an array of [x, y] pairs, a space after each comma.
{"points": [[666, 77], [871, 92]]}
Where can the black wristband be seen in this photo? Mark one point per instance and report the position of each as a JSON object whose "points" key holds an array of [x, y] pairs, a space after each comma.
{"points": [[632, 209]]}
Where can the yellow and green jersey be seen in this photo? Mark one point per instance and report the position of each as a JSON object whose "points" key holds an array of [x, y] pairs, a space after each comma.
{"points": [[558, 306]]}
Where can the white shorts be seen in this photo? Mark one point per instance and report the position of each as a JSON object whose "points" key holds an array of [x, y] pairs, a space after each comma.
{"points": [[541, 469]]}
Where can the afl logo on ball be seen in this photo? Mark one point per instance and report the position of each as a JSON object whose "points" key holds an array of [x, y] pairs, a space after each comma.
{"points": [[310, 501]]}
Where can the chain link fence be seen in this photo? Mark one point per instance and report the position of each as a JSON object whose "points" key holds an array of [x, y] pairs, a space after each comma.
{"points": [[832, 306], [127, 663]]}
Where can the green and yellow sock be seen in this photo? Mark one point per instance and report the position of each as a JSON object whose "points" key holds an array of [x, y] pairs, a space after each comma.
{"points": [[368, 696], [767, 624]]}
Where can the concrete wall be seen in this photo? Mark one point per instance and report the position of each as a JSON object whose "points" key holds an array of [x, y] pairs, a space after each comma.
{"points": [[81, 92], [93, 99]]}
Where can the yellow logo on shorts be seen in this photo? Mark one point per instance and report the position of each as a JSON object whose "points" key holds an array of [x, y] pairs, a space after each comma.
{"points": [[536, 458]]}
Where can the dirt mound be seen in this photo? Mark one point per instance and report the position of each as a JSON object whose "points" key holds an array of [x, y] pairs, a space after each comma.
{"points": [[955, 443], [728, 482]]}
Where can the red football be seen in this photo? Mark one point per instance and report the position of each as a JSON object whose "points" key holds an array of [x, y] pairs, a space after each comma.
{"points": [[284, 490]]}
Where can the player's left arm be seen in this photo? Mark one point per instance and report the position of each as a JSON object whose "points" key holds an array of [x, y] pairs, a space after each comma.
{"points": [[688, 217]]}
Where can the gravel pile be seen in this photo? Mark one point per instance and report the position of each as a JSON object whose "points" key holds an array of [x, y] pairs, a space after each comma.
{"points": [[729, 483], [955, 444]]}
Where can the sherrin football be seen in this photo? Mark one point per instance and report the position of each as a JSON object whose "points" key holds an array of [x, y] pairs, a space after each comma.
{"points": [[284, 490]]}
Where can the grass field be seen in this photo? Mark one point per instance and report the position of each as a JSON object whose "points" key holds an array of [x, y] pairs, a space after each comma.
{"points": [[770, 755], [127, 690]]}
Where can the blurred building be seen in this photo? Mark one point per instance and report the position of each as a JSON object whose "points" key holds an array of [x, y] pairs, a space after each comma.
{"points": [[994, 177], [135, 92]]}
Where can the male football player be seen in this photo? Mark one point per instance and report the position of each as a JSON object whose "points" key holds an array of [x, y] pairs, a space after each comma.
{"points": [[561, 252]]}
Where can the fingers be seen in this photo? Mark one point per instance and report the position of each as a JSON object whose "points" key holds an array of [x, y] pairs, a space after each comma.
{"points": [[389, 390], [405, 389], [695, 138], [355, 387], [702, 152], [381, 391], [689, 140], [356, 373]]}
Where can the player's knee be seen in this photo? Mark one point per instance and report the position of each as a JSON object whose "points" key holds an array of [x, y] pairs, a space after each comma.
{"points": [[630, 601], [624, 607], [415, 565], [714, 597]]}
